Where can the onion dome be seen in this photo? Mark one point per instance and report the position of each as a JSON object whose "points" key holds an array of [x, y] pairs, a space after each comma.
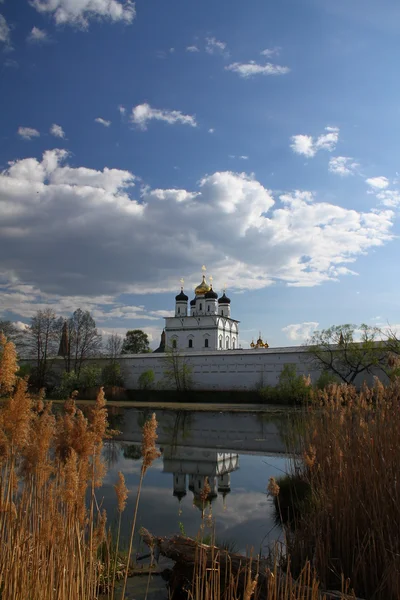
{"points": [[193, 302], [224, 299], [203, 288], [181, 297], [211, 295]]}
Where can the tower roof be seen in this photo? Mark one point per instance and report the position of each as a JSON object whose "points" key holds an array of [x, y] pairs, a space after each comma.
{"points": [[211, 295], [202, 288], [181, 297], [224, 299]]}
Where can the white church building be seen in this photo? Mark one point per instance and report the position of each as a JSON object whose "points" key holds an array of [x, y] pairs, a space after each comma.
{"points": [[204, 324]]}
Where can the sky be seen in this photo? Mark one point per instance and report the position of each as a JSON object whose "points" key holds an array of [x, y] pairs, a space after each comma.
{"points": [[140, 141]]}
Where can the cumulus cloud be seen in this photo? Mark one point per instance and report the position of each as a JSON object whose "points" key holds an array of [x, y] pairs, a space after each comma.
{"points": [[211, 130], [57, 131], [252, 68], [378, 183], [300, 332], [192, 49], [143, 113], [5, 37], [99, 239], [37, 36], [214, 46], [79, 12], [103, 122], [342, 165], [309, 146], [27, 133]]}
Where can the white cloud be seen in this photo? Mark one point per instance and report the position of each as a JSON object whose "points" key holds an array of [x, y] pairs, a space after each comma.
{"points": [[37, 36], [211, 130], [270, 52], [308, 146], [214, 46], [252, 68], [378, 183], [192, 49], [342, 165], [143, 113], [122, 110], [57, 131], [79, 12], [4, 31], [103, 122], [243, 157], [100, 239], [389, 197], [27, 133], [300, 332]]}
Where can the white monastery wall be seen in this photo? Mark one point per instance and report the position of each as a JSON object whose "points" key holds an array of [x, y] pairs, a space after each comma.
{"points": [[223, 370]]}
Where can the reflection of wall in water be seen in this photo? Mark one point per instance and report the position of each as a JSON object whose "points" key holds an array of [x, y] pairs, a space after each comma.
{"points": [[191, 467]]}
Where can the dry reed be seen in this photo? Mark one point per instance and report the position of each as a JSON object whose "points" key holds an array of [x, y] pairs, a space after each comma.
{"points": [[351, 526], [50, 540]]}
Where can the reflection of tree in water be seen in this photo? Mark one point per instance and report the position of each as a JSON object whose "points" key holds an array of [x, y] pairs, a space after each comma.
{"points": [[175, 424], [132, 451], [115, 416], [111, 452], [180, 427]]}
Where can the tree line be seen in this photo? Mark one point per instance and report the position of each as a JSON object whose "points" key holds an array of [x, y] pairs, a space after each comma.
{"points": [[75, 339]]}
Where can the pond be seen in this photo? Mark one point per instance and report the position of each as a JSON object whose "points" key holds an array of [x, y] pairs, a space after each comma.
{"points": [[237, 452]]}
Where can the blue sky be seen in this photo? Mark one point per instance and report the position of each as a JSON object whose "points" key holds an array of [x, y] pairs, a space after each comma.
{"points": [[140, 141]]}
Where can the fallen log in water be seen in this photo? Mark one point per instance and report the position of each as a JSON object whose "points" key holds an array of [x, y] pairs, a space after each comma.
{"points": [[187, 553]]}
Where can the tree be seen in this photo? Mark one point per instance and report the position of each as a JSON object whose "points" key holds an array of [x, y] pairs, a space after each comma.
{"points": [[84, 341], [42, 338], [14, 334], [136, 342], [113, 346], [337, 351], [177, 372]]}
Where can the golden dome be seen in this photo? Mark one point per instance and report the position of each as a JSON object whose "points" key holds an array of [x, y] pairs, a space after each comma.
{"points": [[203, 288]]}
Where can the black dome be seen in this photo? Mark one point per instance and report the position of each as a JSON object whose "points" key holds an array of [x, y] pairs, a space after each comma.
{"points": [[181, 297], [224, 300], [211, 295], [193, 302]]}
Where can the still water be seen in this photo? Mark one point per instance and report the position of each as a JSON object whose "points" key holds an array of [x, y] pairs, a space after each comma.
{"points": [[237, 452]]}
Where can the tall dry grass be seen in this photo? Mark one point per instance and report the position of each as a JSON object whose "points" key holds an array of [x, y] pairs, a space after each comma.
{"points": [[350, 525], [49, 533]]}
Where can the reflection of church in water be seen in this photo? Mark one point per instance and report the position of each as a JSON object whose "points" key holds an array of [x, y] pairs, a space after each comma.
{"points": [[191, 467]]}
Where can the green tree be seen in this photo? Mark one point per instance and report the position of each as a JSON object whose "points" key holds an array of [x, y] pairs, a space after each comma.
{"points": [[136, 342], [146, 379], [348, 350]]}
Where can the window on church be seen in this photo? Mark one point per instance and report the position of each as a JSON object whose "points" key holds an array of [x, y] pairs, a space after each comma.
{"points": [[208, 308], [233, 344], [201, 307], [220, 342], [179, 310], [174, 343], [222, 312], [190, 343], [206, 343], [227, 343]]}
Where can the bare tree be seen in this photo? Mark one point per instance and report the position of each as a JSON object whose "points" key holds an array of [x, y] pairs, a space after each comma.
{"points": [[177, 371], [42, 339], [113, 346], [84, 341], [14, 334]]}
